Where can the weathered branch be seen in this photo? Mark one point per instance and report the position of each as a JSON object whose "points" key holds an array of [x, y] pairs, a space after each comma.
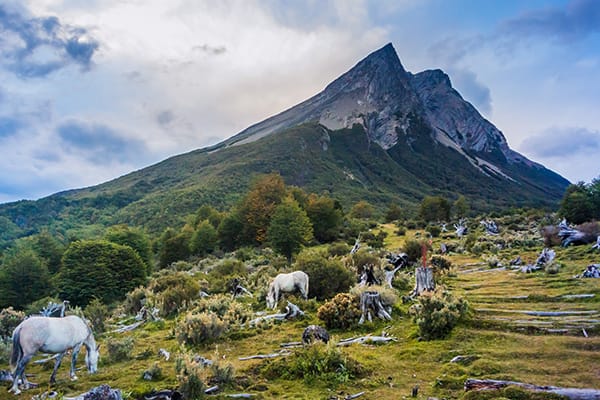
{"points": [[571, 393], [367, 340], [291, 311], [281, 353]]}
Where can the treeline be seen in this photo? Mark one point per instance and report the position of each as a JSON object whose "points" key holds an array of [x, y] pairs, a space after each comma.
{"points": [[106, 267]]}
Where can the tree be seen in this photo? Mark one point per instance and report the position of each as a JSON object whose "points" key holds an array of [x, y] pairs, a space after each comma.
{"points": [[258, 206], [230, 231], [576, 205], [393, 213], [434, 208], [290, 228], [362, 210], [49, 249], [206, 212], [23, 278], [325, 217], [99, 269], [204, 240], [173, 246], [134, 238], [461, 207], [327, 277]]}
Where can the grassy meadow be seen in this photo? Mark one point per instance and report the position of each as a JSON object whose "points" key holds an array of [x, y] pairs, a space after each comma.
{"points": [[501, 337]]}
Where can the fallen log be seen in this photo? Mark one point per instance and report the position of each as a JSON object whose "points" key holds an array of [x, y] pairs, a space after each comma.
{"points": [[291, 311], [263, 356], [367, 340], [571, 393]]}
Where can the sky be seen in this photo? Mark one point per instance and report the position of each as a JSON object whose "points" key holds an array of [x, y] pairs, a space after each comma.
{"points": [[94, 89]]}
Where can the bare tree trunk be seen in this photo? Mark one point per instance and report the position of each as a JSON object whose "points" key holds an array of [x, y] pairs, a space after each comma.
{"points": [[424, 280], [370, 301]]}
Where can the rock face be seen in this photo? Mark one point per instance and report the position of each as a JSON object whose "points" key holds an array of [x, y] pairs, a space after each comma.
{"points": [[379, 94]]}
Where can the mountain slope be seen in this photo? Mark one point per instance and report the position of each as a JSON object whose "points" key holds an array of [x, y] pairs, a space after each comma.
{"points": [[376, 133]]}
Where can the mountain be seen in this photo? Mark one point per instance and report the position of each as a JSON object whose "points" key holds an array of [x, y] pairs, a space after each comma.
{"points": [[377, 133]]}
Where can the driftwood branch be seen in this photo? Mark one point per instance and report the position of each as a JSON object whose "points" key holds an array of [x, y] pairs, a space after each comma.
{"points": [[367, 340], [281, 353], [571, 393], [291, 311]]}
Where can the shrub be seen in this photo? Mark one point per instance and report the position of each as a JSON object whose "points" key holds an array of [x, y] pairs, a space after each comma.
{"points": [[229, 267], [413, 249], [154, 373], [119, 350], [400, 231], [135, 300], [222, 376], [96, 313], [341, 312], [200, 328], [318, 362], [5, 350], [174, 291], [9, 319], [327, 277], [361, 258], [441, 264], [338, 249], [553, 267], [189, 377], [434, 230], [437, 313]]}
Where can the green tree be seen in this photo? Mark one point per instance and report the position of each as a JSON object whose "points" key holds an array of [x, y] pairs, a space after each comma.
{"points": [[134, 238], [173, 246], [325, 217], [204, 240], [461, 207], [230, 231], [207, 213], [327, 276], [258, 206], [290, 228], [434, 208], [362, 210], [24, 278], [99, 269], [49, 249], [393, 213], [576, 205]]}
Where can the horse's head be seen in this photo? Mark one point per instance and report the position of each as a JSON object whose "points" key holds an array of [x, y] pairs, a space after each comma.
{"points": [[91, 359]]}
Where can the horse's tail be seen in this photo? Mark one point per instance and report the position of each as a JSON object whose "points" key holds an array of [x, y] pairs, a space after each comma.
{"points": [[17, 350], [306, 288]]}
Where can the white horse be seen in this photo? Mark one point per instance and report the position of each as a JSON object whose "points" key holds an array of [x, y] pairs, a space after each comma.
{"points": [[288, 283], [51, 335]]}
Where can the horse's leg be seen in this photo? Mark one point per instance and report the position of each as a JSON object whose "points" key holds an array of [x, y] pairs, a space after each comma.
{"points": [[20, 374], [73, 361], [276, 297], [56, 366]]}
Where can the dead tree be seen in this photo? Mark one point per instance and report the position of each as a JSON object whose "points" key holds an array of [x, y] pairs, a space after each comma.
{"points": [[570, 235], [367, 277], [237, 289], [461, 227], [490, 227], [423, 281], [55, 309], [571, 393], [356, 245], [370, 301], [544, 259]]}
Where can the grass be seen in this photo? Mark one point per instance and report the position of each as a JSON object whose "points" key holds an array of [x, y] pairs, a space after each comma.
{"points": [[505, 343]]}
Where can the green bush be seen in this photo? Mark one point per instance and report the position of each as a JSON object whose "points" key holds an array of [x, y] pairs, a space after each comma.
{"points": [[341, 312], [327, 277], [400, 231], [441, 264], [413, 249], [338, 249], [437, 313], [96, 312], [434, 230], [174, 291], [325, 363], [189, 377], [9, 319], [135, 300], [200, 328], [119, 349]]}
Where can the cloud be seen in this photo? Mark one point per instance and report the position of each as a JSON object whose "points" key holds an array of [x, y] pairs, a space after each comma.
{"points": [[99, 143], [472, 90], [37, 46], [563, 142], [9, 126], [577, 20]]}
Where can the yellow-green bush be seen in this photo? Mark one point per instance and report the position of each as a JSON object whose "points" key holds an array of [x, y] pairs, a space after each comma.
{"points": [[437, 313], [200, 328], [341, 312]]}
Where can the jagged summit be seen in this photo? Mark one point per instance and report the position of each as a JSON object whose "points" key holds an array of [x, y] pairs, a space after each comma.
{"points": [[395, 106]]}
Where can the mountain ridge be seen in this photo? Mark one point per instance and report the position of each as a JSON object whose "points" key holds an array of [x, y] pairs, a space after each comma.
{"points": [[377, 133]]}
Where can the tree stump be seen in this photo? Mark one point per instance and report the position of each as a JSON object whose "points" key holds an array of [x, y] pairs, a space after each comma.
{"points": [[424, 280], [370, 301]]}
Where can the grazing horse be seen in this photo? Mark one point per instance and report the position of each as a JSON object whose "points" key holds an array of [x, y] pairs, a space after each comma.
{"points": [[51, 335], [297, 280]]}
